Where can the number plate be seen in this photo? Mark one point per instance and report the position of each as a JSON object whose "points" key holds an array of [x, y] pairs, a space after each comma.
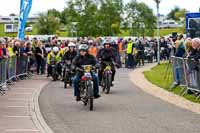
{"points": [[88, 75], [108, 68]]}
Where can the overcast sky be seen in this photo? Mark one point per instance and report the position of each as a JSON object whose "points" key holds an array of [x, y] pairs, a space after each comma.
{"points": [[12, 6]]}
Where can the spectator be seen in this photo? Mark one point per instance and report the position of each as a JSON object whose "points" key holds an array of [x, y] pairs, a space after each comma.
{"points": [[10, 49], [16, 48], [1, 50], [155, 48], [129, 51], [5, 51], [29, 52], [22, 51], [189, 48], [93, 48], [196, 47], [40, 54], [140, 54], [180, 48]]}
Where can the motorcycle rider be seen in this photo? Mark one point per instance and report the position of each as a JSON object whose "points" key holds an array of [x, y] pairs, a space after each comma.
{"points": [[70, 54], [54, 54], [83, 58], [106, 54]]}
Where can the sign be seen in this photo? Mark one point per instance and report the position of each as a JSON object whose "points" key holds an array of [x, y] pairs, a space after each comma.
{"points": [[25, 7]]}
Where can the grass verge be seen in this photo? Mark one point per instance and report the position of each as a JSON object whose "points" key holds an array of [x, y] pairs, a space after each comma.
{"points": [[161, 76]]}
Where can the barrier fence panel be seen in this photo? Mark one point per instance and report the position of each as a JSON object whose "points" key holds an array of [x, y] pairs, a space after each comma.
{"points": [[3, 72], [22, 66], [11, 68], [179, 74], [193, 74], [186, 72]]}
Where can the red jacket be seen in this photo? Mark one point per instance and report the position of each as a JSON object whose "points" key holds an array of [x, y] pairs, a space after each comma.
{"points": [[1, 52]]}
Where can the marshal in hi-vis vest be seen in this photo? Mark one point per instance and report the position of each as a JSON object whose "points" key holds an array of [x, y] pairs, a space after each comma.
{"points": [[129, 48]]}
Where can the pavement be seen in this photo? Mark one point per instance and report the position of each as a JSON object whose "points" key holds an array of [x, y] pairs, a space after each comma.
{"points": [[16, 106], [128, 109]]}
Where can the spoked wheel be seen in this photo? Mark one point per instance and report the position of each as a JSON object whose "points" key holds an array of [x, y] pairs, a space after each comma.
{"points": [[103, 85], [108, 83], [65, 85], [91, 103], [54, 77], [85, 102], [90, 96], [66, 79]]}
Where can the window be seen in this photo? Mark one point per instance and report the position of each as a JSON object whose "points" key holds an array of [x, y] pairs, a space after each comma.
{"points": [[7, 19]]}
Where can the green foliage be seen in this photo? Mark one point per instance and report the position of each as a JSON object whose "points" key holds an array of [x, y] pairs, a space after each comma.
{"points": [[93, 18], [172, 14], [138, 13], [47, 24], [54, 13], [163, 78], [165, 32]]}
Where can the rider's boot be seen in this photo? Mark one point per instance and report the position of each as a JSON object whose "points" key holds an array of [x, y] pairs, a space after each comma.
{"points": [[97, 96], [78, 98]]}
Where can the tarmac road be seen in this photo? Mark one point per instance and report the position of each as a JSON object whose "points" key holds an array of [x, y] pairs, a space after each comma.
{"points": [[126, 110]]}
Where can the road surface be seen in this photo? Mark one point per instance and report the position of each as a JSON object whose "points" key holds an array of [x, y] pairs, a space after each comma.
{"points": [[126, 110]]}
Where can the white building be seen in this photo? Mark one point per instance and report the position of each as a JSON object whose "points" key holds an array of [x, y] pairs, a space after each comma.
{"points": [[15, 19]]}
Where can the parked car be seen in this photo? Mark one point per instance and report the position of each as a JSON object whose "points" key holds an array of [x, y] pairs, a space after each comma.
{"points": [[29, 29], [170, 24]]}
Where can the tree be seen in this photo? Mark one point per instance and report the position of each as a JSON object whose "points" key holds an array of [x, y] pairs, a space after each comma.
{"points": [[93, 17], [138, 13], [180, 14], [172, 13], [54, 13], [110, 15], [47, 24]]}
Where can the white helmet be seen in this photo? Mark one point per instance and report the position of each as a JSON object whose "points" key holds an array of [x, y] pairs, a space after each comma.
{"points": [[90, 41], [71, 44], [55, 49]]}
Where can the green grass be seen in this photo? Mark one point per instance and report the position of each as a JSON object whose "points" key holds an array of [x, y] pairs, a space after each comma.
{"points": [[34, 32], [157, 76], [164, 32]]}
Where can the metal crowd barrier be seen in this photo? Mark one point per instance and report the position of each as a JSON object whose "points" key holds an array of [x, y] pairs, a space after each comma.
{"points": [[10, 69], [192, 69], [186, 72], [22, 66], [3, 76], [178, 70]]}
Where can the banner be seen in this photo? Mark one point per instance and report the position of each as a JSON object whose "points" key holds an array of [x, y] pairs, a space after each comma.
{"points": [[25, 7]]}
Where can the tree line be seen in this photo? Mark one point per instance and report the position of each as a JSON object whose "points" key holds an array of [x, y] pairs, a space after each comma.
{"points": [[99, 18]]}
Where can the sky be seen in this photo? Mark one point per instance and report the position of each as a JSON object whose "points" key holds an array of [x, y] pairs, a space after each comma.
{"points": [[43, 5]]}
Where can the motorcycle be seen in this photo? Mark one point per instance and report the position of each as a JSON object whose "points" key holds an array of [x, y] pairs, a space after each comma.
{"points": [[67, 76], [86, 86], [54, 67], [107, 77], [149, 53]]}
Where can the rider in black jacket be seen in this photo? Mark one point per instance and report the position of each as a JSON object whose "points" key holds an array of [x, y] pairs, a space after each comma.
{"points": [[84, 59], [106, 54]]}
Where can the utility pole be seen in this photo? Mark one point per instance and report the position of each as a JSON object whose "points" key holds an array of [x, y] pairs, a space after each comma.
{"points": [[158, 31]]}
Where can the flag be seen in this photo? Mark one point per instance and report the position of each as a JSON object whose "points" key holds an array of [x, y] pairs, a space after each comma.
{"points": [[25, 7]]}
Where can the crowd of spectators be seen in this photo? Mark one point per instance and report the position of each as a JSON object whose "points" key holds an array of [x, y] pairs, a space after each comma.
{"points": [[142, 49]]}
